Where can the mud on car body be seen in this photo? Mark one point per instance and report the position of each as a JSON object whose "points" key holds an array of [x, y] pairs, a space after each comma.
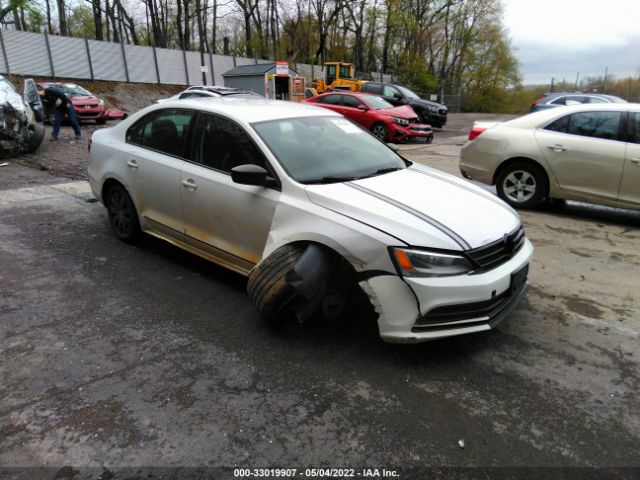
{"points": [[319, 214], [20, 130]]}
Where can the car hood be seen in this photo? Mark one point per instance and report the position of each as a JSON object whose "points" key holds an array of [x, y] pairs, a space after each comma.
{"points": [[403, 111], [421, 207], [92, 99], [426, 104]]}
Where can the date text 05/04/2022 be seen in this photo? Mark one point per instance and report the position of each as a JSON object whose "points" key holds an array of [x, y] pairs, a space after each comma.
{"points": [[314, 473]]}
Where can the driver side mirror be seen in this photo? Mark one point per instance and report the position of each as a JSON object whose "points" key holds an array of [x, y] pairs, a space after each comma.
{"points": [[251, 174], [397, 96], [363, 108]]}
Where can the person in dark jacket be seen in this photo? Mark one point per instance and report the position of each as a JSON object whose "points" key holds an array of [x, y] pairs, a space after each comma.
{"points": [[60, 104]]}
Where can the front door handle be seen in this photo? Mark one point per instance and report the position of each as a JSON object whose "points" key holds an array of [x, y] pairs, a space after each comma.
{"points": [[636, 161], [190, 184], [557, 148], [133, 165]]}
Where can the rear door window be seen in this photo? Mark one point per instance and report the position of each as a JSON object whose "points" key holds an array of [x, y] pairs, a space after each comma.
{"points": [[330, 100], [349, 101], [635, 128], [561, 125], [603, 125], [163, 130], [372, 88]]}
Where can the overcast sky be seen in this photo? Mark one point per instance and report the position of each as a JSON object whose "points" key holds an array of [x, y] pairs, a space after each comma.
{"points": [[559, 38]]}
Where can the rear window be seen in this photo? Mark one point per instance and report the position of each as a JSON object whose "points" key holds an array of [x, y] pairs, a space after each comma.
{"points": [[330, 99], [372, 88], [349, 101]]}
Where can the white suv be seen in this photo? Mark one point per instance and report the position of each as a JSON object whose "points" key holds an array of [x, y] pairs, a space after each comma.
{"points": [[319, 214]]}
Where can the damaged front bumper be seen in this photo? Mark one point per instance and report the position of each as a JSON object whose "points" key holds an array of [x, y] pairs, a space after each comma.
{"points": [[415, 310]]}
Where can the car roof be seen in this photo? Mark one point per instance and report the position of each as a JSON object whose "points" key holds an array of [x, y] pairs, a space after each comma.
{"points": [[249, 109], [551, 95], [348, 92], [216, 89], [543, 116]]}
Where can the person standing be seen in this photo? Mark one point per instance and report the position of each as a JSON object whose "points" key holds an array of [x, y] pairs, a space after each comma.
{"points": [[60, 104]]}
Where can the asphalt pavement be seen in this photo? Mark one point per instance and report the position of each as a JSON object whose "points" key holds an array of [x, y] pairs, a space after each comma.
{"points": [[148, 362]]}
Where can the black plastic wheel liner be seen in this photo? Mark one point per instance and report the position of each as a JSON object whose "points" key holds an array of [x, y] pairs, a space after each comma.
{"points": [[309, 281]]}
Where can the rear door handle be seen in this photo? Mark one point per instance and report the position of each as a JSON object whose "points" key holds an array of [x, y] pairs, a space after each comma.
{"points": [[557, 148], [133, 165], [636, 161], [190, 184]]}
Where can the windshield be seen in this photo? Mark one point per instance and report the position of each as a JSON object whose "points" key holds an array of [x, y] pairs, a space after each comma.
{"points": [[326, 149], [72, 89], [407, 93], [376, 103]]}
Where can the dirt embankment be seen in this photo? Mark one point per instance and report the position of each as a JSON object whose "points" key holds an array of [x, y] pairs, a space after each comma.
{"points": [[129, 97]]}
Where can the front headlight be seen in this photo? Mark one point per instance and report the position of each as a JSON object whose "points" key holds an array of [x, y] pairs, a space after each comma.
{"points": [[423, 263], [101, 103], [433, 109], [401, 121]]}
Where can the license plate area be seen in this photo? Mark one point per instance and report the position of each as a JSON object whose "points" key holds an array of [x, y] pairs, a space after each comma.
{"points": [[518, 279]]}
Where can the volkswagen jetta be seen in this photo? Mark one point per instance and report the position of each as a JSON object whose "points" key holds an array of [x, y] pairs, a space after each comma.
{"points": [[319, 214]]}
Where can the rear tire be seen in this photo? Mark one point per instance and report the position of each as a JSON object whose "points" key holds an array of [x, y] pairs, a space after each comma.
{"points": [[267, 287], [122, 214], [522, 185]]}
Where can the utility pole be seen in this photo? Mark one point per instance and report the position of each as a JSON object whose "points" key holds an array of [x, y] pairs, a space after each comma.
{"points": [[577, 77], [551, 89], [604, 83]]}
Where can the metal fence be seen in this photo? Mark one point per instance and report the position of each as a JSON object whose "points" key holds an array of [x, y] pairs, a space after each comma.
{"points": [[39, 54]]}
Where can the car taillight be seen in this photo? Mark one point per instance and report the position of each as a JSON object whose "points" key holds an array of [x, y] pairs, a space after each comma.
{"points": [[475, 131], [535, 102]]}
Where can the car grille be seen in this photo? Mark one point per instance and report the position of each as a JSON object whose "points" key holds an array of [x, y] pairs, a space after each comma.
{"points": [[420, 129], [87, 106], [465, 315], [496, 253]]}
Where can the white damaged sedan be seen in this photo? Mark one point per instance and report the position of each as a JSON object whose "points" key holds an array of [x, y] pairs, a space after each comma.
{"points": [[320, 215]]}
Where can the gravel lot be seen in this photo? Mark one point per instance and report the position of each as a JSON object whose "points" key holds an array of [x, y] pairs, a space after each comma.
{"points": [[114, 358]]}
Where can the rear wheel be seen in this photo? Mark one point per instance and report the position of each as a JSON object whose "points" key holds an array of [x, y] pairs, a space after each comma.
{"points": [[380, 131], [522, 185], [122, 214]]}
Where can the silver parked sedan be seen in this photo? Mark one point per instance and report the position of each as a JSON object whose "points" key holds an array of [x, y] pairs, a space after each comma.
{"points": [[588, 153], [320, 215]]}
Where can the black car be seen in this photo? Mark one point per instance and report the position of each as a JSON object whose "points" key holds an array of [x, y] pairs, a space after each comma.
{"points": [[429, 112]]}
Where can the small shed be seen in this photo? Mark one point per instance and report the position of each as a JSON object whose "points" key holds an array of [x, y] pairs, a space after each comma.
{"points": [[275, 81]]}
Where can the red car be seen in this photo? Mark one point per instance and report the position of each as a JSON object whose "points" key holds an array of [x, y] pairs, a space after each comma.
{"points": [[388, 123], [86, 104]]}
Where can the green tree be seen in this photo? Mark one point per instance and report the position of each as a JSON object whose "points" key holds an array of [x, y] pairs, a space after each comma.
{"points": [[490, 70], [81, 22]]}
